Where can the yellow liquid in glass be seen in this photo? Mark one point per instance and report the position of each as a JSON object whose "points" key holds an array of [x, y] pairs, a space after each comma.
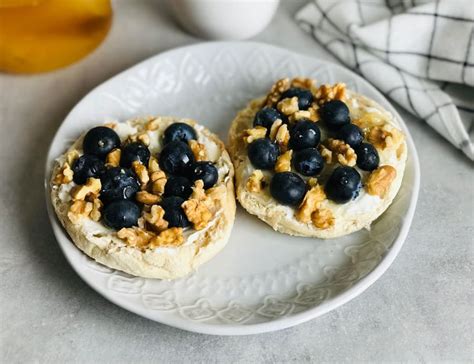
{"points": [[42, 35]]}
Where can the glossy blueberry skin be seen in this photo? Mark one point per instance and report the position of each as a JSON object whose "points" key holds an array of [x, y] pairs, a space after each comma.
{"points": [[307, 161], [266, 117], [99, 141], [288, 188], [118, 184], [134, 152], [178, 186], [351, 134], [335, 114], [367, 157], [305, 97], [343, 185], [305, 134], [205, 171], [121, 214], [87, 166], [176, 158], [263, 153], [174, 213], [179, 132]]}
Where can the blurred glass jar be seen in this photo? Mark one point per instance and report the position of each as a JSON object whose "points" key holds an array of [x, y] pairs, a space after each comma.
{"points": [[42, 35]]}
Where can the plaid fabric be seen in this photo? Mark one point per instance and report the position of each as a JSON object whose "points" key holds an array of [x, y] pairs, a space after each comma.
{"points": [[420, 53]]}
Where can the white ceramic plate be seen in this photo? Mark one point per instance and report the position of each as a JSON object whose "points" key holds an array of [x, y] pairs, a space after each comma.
{"points": [[262, 280]]}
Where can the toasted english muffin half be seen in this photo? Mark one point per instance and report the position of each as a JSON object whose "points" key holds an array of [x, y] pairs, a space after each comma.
{"points": [[151, 246], [316, 214]]}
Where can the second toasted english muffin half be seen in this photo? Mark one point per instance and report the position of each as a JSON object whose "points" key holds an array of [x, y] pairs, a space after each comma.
{"points": [[316, 160]]}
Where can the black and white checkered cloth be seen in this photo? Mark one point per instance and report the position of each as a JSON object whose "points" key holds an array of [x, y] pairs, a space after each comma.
{"points": [[420, 53]]}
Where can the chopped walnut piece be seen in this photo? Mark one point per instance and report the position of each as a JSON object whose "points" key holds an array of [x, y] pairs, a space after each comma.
{"points": [[113, 158], [71, 156], [155, 218], [153, 165], [343, 152], [400, 150], [282, 137], [327, 93], [277, 89], [198, 149], [158, 182], [256, 181], [283, 163], [141, 137], [300, 114], [258, 132], [325, 153], [314, 112], [152, 124], [169, 237], [288, 106], [147, 198], [311, 202], [312, 182], [384, 136], [198, 190], [323, 218], [135, 236], [111, 125], [91, 188], [96, 209], [379, 181], [141, 172], [78, 210], [274, 128], [64, 175], [368, 119], [303, 82], [197, 213]]}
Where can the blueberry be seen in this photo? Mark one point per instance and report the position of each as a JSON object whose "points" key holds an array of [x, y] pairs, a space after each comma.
{"points": [[305, 134], [134, 152], [288, 188], [335, 114], [118, 184], [176, 158], [351, 134], [367, 157], [121, 214], [206, 171], [343, 185], [178, 186], [263, 153], [307, 161], [99, 141], [305, 97], [266, 117], [87, 166], [174, 213], [181, 132]]}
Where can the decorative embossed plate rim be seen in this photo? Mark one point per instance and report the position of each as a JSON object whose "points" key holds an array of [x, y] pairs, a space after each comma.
{"points": [[265, 295]]}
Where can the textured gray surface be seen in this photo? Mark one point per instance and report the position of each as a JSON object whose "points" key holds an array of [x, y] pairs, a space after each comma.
{"points": [[420, 310]]}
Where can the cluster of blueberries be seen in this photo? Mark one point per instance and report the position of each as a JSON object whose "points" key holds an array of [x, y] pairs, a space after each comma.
{"points": [[120, 184], [289, 188]]}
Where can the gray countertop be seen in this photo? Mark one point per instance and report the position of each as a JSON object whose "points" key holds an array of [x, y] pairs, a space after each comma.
{"points": [[420, 310]]}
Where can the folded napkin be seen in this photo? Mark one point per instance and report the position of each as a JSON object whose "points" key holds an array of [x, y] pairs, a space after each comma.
{"points": [[420, 53]]}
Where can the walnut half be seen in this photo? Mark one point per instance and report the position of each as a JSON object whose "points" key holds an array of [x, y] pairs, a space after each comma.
{"points": [[343, 152], [379, 181], [384, 136], [311, 202]]}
